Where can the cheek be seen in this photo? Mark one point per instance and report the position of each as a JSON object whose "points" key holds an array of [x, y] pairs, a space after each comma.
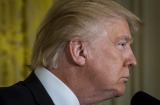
{"points": [[104, 69], [112, 61], [109, 69]]}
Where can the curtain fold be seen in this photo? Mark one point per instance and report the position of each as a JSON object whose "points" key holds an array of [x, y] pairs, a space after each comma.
{"points": [[19, 20]]}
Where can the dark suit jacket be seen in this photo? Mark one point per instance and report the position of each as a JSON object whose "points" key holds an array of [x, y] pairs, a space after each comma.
{"points": [[27, 92]]}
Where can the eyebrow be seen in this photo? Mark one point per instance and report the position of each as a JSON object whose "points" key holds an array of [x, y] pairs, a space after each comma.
{"points": [[126, 38]]}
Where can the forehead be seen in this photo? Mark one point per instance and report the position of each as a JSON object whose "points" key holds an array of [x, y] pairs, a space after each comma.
{"points": [[119, 29]]}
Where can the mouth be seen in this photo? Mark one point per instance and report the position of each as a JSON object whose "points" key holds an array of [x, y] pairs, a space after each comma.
{"points": [[125, 79]]}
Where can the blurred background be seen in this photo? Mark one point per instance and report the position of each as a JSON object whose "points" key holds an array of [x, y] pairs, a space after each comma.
{"points": [[19, 20]]}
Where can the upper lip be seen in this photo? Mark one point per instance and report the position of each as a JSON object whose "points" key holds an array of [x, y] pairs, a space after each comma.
{"points": [[126, 78]]}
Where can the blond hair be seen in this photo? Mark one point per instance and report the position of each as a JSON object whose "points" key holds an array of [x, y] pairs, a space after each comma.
{"points": [[71, 18]]}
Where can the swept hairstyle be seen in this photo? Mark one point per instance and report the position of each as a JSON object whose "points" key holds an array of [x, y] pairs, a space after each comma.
{"points": [[74, 18]]}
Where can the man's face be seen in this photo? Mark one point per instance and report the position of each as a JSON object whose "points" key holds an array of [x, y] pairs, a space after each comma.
{"points": [[110, 58]]}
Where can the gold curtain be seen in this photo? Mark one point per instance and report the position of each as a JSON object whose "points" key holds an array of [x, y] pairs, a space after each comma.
{"points": [[19, 20]]}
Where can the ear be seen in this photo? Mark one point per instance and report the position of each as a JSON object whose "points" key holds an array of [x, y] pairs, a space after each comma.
{"points": [[78, 51]]}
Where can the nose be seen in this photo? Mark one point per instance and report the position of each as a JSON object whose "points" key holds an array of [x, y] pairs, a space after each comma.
{"points": [[133, 61], [130, 59]]}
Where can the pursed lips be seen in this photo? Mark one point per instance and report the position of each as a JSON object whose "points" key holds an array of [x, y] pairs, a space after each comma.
{"points": [[125, 78]]}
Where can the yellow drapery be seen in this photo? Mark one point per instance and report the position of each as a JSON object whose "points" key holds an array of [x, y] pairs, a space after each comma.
{"points": [[19, 20]]}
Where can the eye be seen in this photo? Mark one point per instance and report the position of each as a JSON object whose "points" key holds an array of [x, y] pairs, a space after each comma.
{"points": [[122, 44]]}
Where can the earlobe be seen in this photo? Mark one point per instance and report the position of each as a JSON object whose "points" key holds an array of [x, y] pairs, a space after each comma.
{"points": [[77, 51]]}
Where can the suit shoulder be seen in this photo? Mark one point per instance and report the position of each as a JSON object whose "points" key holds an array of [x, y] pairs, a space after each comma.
{"points": [[16, 88], [16, 93]]}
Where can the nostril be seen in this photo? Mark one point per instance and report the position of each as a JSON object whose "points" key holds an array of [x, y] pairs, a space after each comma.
{"points": [[133, 64], [130, 62]]}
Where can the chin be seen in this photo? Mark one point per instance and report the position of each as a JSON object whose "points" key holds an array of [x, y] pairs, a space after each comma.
{"points": [[121, 91]]}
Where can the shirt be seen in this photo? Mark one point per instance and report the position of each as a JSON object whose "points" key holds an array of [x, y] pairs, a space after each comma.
{"points": [[57, 90]]}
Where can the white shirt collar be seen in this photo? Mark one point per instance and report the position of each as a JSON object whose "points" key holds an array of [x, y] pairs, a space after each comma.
{"points": [[57, 90]]}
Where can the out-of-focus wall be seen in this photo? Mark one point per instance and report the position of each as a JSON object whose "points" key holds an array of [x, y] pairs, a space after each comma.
{"points": [[19, 20]]}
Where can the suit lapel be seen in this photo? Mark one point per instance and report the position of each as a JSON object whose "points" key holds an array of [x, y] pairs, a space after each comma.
{"points": [[38, 91]]}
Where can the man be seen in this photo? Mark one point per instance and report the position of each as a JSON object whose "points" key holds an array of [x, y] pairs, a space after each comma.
{"points": [[81, 56]]}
